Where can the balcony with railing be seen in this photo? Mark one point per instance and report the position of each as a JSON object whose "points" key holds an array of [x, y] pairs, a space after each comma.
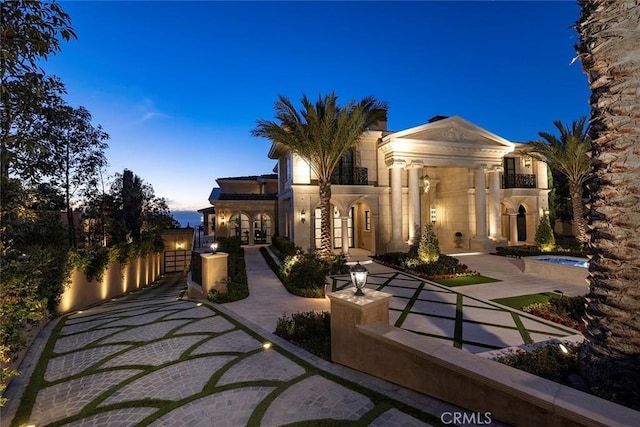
{"points": [[359, 176], [519, 180]]}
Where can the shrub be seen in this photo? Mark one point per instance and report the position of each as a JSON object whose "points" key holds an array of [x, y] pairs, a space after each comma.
{"points": [[285, 246], [428, 250], [444, 265], [306, 271], [546, 361], [309, 330], [231, 245], [544, 235], [393, 258], [338, 265], [572, 307], [237, 282]]}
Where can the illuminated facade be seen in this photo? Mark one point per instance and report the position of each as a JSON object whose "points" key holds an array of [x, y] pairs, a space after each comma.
{"points": [[448, 171]]}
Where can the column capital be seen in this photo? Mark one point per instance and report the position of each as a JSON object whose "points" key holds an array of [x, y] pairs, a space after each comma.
{"points": [[415, 164], [395, 163], [482, 167], [497, 168]]}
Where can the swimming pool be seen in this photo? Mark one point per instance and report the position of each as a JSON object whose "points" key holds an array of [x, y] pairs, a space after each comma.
{"points": [[576, 262], [562, 269]]}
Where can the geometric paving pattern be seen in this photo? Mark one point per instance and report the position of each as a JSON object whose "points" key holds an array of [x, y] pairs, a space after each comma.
{"points": [[151, 359], [427, 308]]}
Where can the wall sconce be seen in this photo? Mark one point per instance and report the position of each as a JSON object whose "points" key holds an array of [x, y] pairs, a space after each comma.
{"points": [[222, 218], [178, 245], [527, 161], [546, 212], [433, 215], [303, 216], [359, 277], [426, 183]]}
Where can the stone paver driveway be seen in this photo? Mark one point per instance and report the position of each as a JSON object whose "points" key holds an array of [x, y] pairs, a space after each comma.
{"points": [[152, 359], [466, 322]]}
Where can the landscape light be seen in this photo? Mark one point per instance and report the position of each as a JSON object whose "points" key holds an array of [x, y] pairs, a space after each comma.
{"points": [[359, 277]]}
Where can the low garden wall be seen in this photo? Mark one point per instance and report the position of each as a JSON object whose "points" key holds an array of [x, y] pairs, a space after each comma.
{"points": [[362, 339], [118, 279], [556, 272]]}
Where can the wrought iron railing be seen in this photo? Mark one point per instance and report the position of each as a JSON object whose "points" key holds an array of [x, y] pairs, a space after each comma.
{"points": [[519, 180], [360, 176]]}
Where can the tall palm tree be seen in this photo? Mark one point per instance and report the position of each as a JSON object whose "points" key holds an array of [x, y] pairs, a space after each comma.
{"points": [[609, 49], [569, 155], [321, 133]]}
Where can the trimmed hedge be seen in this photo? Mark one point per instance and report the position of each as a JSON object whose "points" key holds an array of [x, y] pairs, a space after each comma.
{"points": [[445, 265], [309, 330], [238, 283]]}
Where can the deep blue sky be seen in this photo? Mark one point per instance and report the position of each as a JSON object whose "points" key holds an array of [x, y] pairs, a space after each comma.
{"points": [[179, 85]]}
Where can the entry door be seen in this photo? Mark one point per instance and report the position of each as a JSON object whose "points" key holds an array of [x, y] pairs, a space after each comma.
{"points": [[337, 229], [522, 224]]}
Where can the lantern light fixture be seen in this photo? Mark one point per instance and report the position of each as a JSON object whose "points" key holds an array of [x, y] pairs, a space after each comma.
{"points": [[433, 215], [303, 216], [359, 277], [426, 183], [214, 247]]}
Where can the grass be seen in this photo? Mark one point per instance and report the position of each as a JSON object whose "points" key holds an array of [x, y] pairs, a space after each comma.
{"points": [[466, 280], [524, 300]]}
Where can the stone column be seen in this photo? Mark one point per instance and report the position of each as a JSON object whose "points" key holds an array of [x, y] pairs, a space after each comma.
{"points": [[345, 235], [396, 242], [414, 199], [481, 203], [495, 217], [348, 311], [513, 227]]}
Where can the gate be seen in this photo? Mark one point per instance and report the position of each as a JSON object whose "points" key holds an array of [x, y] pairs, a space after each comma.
{"points": [[176, 261]]}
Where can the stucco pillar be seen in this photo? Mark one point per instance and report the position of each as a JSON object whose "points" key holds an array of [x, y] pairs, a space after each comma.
{"points": [[414, 199], [495, 217], [541, 175], [513, 229], [345, 235], [481, 203], [396, 242]]}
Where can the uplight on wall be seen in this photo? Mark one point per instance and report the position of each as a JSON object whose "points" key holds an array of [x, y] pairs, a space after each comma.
{"points": [[433, 215], [303, 216]]}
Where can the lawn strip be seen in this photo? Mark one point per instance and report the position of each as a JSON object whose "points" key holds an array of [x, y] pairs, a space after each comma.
{"points": [[520, 301], [407, 309], [457, 332], [526, 338], [36, 381], [258, 413], [465, 281]]}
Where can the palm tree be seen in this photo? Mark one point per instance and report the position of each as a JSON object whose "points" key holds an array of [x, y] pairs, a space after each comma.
{"points": [[609, 49], [321, 133], [569, 155]]}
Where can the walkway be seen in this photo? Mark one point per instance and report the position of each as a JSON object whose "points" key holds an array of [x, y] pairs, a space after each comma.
{"points": [[150, 358]]}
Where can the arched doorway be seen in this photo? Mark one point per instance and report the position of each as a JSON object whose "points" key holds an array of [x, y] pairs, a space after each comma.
{"points": [[262, 228], [239, 224], [522, 224]]}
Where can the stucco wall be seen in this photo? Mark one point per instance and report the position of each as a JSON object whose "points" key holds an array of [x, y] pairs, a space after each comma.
{"points": [[116, 280]]}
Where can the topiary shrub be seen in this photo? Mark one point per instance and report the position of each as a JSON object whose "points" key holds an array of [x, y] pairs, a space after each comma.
{"points": [[428, 249], [309, 330], [544, 235]]}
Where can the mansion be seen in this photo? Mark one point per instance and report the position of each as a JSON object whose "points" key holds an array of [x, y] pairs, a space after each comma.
{"points": [[461, 178]]}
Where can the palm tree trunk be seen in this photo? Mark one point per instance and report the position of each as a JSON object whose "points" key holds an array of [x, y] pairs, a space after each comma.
{"points": [[579, 224], [325, 221], [609, 50]]}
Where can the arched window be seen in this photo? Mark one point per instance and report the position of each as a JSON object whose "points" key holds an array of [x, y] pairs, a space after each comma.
{"points": [[262, 228], [239, 227]]}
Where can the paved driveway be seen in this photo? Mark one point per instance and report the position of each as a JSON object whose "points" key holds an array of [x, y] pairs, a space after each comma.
{"points": [[152, 359]]}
